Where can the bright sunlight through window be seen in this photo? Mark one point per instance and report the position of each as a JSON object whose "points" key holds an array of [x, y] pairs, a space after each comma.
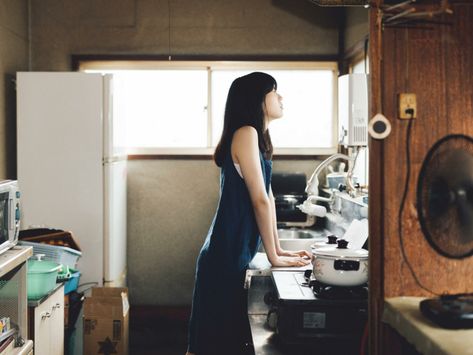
{"points": [[176, 108]]}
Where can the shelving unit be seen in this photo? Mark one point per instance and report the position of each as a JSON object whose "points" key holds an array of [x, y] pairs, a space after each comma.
{"points": [[13, 296]]}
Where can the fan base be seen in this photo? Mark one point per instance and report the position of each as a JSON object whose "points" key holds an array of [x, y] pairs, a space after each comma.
{"points": [[452, 311]]}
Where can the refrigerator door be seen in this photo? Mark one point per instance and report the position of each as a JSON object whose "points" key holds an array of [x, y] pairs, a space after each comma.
{"points": [[60, 171], [114, 127], [115, 223]]}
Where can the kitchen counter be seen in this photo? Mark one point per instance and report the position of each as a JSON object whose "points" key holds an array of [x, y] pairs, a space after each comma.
{"points": [[258, 281], [403, 314], [264, 339], [260, 264]]}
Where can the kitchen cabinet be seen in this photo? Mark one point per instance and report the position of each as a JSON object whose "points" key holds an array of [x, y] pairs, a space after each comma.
{"points": [[47, 323], [13, 298]]}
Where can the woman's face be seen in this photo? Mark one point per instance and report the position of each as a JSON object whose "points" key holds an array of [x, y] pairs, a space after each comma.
{"points": [[272, 107]]}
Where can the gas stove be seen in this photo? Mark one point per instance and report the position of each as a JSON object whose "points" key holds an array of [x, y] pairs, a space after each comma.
{"points": [[308, 311]]}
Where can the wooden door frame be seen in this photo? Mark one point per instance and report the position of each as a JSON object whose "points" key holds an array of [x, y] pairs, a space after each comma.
{"points": [[376, 155]]}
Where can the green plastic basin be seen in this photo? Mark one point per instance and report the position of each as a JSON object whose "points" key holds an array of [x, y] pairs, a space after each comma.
{"points": [[41, 278]]}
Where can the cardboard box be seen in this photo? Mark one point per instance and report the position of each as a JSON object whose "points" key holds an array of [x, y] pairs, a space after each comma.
{"points": [[106, 320], [66, 311]]}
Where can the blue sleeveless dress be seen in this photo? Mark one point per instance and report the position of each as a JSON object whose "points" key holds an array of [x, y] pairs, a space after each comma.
{"points": [[219, 319]]}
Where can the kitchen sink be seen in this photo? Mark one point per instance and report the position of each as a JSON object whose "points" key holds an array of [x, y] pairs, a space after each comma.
{"points": [[299, 238], [298, 233]]}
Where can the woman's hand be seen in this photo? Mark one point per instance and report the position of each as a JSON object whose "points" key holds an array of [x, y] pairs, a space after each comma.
{"points": [[286, 261], [301, 253]]}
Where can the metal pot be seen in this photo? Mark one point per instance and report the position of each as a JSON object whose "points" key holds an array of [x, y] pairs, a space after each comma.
{"points": [[340, 266]]}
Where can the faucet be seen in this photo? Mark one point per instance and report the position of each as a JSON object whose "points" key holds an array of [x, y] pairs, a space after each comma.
{"points": [[312, 188]]}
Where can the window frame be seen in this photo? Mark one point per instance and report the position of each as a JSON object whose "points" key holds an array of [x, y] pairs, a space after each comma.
{"points": [[209, 65]]}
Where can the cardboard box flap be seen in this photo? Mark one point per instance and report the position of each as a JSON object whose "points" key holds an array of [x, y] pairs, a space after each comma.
{"points": [[107, 302]]}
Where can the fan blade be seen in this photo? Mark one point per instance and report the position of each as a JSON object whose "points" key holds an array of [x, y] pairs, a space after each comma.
{"points": [[464, 202], [440, 197], [456, 167], [445, 196]]}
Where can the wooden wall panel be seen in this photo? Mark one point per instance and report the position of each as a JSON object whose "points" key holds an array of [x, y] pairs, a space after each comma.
{"points": [[435, 63], [376, 227], [459, 68]]}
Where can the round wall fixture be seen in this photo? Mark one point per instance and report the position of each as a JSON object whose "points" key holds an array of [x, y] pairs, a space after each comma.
{"points": [[379, 127]]}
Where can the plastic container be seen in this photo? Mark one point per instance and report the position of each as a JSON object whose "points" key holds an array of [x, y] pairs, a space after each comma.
{"points": [[41, 277], [72, 283], [335, 179], [60, 255], [49, 236]]}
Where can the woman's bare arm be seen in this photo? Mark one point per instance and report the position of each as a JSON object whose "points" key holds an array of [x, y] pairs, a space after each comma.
{"points": [[246, 152]]}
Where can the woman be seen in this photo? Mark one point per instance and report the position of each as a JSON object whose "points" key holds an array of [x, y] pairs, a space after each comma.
{"points": [[219, 321]]}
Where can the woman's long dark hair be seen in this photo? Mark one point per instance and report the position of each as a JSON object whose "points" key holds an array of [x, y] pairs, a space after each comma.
{"points": [[244, 107]]}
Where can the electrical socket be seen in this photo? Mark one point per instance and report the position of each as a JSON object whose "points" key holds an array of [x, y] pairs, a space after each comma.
{"points": [[407, 106]]}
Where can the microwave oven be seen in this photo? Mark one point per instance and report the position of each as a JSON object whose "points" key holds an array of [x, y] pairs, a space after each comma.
{"points": [[9, 214]]}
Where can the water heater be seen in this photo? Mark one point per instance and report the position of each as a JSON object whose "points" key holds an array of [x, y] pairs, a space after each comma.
{"points": [[353, 109]]}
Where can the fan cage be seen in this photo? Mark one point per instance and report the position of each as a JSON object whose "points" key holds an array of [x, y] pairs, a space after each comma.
{"points": [[442, 234]]}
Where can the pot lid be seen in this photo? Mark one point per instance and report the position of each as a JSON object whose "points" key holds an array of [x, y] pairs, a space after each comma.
{"points": [[41, 266], [330, 241], [341, 251]]}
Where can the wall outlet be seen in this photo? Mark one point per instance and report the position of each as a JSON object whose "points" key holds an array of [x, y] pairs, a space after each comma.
{"points": [[407, 106]]}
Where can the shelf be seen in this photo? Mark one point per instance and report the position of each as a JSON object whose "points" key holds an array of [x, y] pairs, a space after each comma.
{"points": [[5, 335], [404, 316], [14, 257], [25, 349]]}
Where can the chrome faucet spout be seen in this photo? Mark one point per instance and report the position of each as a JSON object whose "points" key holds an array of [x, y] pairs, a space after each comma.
{"points": [[312, 188]]}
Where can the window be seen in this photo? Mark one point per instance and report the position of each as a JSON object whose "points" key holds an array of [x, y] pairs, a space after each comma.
{"points": [[162, 108], [177, 107]]}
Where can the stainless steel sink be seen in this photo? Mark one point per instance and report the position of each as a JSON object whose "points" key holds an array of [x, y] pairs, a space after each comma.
{"points": [[298, 233], [299, 238]]}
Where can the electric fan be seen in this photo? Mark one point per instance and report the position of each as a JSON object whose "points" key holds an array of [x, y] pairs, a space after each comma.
{"points": [[445, 212]]}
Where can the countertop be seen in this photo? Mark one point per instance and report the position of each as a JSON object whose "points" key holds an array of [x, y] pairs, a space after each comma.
{"points": [[403, 314], [261, 263], [13, 257], [37, 302]]}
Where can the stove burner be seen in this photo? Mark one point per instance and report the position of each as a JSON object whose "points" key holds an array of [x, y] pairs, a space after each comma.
{"points": [[330, 292], [324, 291]]}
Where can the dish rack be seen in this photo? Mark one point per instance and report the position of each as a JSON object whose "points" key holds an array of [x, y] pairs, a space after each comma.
{"points": [[56, 245], [61, 255]]}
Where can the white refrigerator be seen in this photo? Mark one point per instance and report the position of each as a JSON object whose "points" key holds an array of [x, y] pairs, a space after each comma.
{"points": [[71, 169]]}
